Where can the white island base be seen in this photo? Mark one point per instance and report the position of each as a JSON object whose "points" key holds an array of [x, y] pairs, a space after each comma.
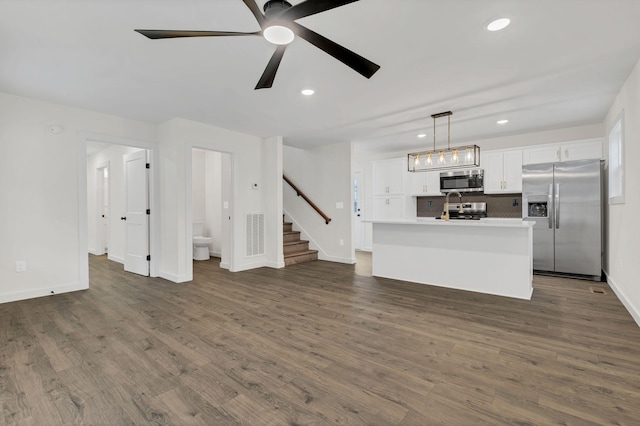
{"points": [[486, 256]]}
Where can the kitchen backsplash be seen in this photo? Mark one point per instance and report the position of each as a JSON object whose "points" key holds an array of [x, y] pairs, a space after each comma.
{"points": [[498, 205]]}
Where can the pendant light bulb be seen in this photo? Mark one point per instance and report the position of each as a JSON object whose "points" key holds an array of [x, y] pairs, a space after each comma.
{"points": [[429, 158], [441, 159]]}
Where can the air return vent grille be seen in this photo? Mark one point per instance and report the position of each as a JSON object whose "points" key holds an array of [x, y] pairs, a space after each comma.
{"points": [[255, 234]]}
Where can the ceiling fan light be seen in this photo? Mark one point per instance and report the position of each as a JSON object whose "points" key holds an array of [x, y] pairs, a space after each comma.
{"points": [[277, 34], [498, 24]]}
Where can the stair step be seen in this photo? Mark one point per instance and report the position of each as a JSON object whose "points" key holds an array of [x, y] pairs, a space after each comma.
{"points": [[295, 247], [290, 236], [301, 257], [287, 226]]}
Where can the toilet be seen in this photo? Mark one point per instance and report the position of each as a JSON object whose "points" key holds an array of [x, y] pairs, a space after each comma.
{"points": [[200, 242]]}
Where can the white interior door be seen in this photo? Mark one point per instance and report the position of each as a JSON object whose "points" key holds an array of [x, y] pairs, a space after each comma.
{"points": [[358, 230], [136, 217], [104, 210]]}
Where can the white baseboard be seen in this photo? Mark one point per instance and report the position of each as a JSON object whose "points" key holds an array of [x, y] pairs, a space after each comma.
{"points": [[276, 265], [247, 266], [224, 265], [633, 310], [175, 278], [215, 253], [41, 292], [115, 258], [324, 256]]}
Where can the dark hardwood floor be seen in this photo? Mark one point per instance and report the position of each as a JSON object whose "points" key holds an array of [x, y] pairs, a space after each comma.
{"points": [[313, 344]]}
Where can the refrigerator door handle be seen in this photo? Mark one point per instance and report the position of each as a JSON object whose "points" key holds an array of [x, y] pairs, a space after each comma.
{"points": [[556, 205], [549, 214]]}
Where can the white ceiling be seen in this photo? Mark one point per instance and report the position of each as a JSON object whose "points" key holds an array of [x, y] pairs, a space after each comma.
{"points": [[559, 64]]}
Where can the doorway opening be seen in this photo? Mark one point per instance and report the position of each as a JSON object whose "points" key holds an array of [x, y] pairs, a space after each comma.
{"points": [[118, 208], [210, 206], [358, 210], [102, 210]]}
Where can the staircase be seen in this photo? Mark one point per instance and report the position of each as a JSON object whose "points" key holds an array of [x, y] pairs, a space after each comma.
{"points": [[295, 249]]}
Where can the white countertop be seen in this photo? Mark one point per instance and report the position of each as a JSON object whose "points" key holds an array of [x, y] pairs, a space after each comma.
{"points": [[485, 222]]}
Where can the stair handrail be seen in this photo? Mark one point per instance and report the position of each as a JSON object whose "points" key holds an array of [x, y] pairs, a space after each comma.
{"points": [[326, 218]]}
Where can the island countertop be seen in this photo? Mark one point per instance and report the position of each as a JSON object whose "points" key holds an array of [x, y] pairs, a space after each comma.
{"points": [[486, 222], [493, 256]]}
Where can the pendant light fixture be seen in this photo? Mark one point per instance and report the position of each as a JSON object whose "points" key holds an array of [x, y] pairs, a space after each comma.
{"points": [[449, 158]]}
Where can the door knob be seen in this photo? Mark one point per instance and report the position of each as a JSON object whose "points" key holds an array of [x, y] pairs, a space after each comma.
{"points": [[123, 218]]}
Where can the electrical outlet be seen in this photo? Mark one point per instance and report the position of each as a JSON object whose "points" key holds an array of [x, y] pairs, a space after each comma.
{"points": [[339, 205], [341, 242], [21, 266], [515, 202]]}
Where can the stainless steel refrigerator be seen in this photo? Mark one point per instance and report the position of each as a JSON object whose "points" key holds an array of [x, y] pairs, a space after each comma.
{"points": [[565, 201]]}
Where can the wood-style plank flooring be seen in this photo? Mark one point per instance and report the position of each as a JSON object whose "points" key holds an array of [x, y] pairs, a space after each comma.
{"points": [[315, 344]]}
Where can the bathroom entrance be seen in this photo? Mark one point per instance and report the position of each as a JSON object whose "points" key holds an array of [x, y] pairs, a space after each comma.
{"points": [[210, 205]]}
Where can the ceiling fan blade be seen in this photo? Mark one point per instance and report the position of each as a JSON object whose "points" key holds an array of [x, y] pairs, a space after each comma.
{"points": [[344, 55], [255, 9], [156, 34], [311, 7], [269, 74]]}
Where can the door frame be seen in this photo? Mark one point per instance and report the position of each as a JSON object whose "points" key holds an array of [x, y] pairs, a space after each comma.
{"points": [[190, 146], [154, 199], [361, 206], [99, 170]]}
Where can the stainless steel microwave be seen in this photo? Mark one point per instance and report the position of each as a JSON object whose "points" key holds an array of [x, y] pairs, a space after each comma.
{"points": [[471, 180]]}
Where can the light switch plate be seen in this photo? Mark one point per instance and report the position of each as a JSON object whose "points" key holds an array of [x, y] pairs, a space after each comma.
{"points": [[21, 266], [339, 205]]}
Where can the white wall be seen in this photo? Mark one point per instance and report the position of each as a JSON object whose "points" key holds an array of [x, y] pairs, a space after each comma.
{"points": [[177, 138], [112, 155], [272, 162], [623, 224], [43, 199], [198, 191], [324, 175], [213, 200]]}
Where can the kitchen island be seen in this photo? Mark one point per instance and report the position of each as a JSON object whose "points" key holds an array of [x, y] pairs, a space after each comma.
{"points": [[493, 256]]}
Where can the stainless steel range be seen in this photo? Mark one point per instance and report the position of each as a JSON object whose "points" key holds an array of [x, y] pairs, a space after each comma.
{"points": [[470, 211]]}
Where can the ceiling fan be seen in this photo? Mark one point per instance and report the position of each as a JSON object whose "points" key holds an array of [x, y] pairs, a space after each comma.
{"points": [[278, 26]]}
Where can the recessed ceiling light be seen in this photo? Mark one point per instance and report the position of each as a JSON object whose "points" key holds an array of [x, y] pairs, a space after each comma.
{"points": [[307, 92], [422, 135], [277, 34], [499, 24], [502, 121]]}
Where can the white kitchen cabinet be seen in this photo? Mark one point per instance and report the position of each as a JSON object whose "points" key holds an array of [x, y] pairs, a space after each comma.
{"points": [[541, 154], [424, 183], [583, 150], [502, 171], [391, 207], [388, 176], [567, 151]]}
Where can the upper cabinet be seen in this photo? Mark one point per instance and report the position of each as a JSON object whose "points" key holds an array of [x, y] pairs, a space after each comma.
{"points": [[568, 151], [388, 176], [424, 183], [502, 171]]}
